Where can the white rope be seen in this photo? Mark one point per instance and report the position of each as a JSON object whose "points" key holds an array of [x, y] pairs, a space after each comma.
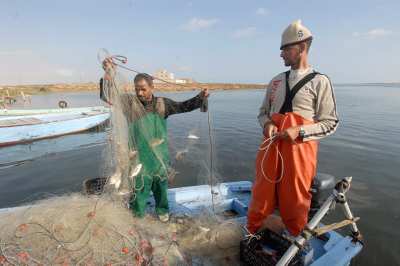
{"points": [[271, 141]]}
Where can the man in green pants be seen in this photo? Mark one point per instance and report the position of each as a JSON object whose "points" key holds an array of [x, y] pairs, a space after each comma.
{"points": [[148, 134]]}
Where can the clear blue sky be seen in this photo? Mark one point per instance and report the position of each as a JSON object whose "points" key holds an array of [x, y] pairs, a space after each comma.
{"points": [[210, 41]]}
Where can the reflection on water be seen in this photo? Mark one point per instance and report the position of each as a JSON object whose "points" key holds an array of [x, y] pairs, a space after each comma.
{"points": [[365, 146]]}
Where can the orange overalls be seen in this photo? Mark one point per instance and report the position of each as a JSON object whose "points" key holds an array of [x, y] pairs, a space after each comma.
{"points": [[291, 193]]}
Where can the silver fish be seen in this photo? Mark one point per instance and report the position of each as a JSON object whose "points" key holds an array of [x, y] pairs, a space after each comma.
{"points": [[124, 192], [192, 136], [136, 170], [156, 142], [132, 154], [117, 183], [115, 179]]}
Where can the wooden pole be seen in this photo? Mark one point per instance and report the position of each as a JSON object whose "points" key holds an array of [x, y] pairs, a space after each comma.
{"points": [[8, 93]]}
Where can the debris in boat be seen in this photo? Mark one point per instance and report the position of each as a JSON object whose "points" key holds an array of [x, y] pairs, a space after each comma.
{"points": [[171, 176], [177, 157], [202, 234], [156, 142], [179, 221], [192, 136], [132, 155], [136, 170]]}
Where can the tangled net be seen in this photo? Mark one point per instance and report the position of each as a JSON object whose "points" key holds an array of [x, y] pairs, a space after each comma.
{"points": [[95, 227]]}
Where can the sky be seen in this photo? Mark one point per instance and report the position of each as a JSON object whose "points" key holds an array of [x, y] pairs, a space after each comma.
{"points": [[46, 42]]}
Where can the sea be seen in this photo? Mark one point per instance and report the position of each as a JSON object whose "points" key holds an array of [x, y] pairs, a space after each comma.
{"points": [[366, 146]]}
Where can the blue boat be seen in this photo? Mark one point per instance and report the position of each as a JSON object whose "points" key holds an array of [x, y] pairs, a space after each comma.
{"points": [[333, 249], [18, 126]]}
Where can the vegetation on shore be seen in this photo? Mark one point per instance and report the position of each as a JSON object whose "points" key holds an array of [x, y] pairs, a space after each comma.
{"points": [[62, 88]]}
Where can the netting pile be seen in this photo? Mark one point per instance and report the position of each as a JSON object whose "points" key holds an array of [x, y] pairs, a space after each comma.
{"points": [[97, 227]]}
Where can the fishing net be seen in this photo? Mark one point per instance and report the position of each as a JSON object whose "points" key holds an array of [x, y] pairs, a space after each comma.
{"points": [[110, 222]]}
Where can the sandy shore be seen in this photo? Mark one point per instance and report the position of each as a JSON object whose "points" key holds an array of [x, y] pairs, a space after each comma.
{"points": [[94, 87]]}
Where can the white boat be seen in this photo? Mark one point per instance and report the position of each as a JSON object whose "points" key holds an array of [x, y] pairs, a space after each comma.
{"points": [[17, 126]]}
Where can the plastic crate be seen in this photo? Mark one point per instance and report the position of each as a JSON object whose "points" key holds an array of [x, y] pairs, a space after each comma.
{"points": [[250, 249]]}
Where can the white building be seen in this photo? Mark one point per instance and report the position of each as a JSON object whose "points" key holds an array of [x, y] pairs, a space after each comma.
{"points": [[169, 77]]}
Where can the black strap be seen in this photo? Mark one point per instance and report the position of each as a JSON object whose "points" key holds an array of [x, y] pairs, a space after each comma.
{"points": [[287, 104]]}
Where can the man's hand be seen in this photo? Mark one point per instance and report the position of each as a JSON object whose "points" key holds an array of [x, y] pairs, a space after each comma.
{"points": [[106, 63], [289, 134], [268, 128], [205, 93]]}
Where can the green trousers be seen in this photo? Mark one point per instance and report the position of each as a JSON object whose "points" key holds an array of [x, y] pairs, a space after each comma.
{"points": [[159, 188], [154, 159]]}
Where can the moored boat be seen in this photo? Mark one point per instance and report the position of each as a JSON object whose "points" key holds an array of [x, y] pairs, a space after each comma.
{"points": [[17, 126]]}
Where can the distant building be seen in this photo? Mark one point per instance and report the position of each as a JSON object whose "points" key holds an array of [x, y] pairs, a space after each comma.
{"points": [[169, 77]]}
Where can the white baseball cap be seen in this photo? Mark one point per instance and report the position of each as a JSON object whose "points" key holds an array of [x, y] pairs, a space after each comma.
{"points": [[295, 34]]}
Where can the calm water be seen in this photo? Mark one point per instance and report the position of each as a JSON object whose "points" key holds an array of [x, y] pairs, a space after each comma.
{"points": [[365, 146]]}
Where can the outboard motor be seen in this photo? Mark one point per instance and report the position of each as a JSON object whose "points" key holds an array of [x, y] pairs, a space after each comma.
{"points": [[321, 188]]}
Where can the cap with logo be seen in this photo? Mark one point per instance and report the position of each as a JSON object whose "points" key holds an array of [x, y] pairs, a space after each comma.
{"points": [[295, 34]]}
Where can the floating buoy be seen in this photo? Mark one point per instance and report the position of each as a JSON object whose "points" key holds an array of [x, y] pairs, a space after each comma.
{"points": [[126, 249], [144, 245], [126, 89], [110, 102], [108, 77], [153, 78], [22, 227], [212, 191], [22, 255], [152, 250], [91, 214], [131, 232], [124, 61], [111, 138]]}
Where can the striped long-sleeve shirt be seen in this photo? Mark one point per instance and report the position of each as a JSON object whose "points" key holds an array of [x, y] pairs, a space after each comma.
{"points": [[315, 101]]}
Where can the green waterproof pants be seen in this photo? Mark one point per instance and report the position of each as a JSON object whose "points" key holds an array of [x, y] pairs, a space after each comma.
{"points": [[154, 159]]}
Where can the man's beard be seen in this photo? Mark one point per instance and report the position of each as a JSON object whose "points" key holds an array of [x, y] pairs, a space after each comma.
{"points": [[295, 60]]}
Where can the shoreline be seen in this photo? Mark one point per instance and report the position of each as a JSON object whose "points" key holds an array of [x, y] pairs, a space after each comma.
{"points": [[91, 87]]}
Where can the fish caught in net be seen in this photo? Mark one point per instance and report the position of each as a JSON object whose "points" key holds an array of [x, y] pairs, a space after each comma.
{"points": [[110, 222]]}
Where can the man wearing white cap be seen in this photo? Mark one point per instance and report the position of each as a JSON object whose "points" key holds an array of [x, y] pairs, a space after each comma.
{"points": [[299, 108]]}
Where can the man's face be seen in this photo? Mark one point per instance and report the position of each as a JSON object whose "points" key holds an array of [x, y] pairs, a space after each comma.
{"points": [[291, 55], [143, 90]]}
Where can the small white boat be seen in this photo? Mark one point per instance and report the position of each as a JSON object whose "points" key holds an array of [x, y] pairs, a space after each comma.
{"points": [[17, 126]]}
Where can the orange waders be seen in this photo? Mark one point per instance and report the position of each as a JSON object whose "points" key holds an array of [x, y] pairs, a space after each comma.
{"points": [[291, 193]]}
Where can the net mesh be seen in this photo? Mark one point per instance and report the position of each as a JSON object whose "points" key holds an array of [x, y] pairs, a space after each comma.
{"points": [[96, 226]]}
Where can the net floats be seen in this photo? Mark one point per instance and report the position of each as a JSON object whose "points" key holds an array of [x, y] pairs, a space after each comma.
{"points": [[153, 78], [124, 61], [108, 77], [126, 89], [22, 227], [111, 138], [110, 102]]}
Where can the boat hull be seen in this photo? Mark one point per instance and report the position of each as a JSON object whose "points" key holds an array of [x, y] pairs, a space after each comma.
{"points": [[26, 128]]}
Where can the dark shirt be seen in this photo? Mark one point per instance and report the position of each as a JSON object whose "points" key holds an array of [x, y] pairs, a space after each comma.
{"points": [[162, 106]]}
